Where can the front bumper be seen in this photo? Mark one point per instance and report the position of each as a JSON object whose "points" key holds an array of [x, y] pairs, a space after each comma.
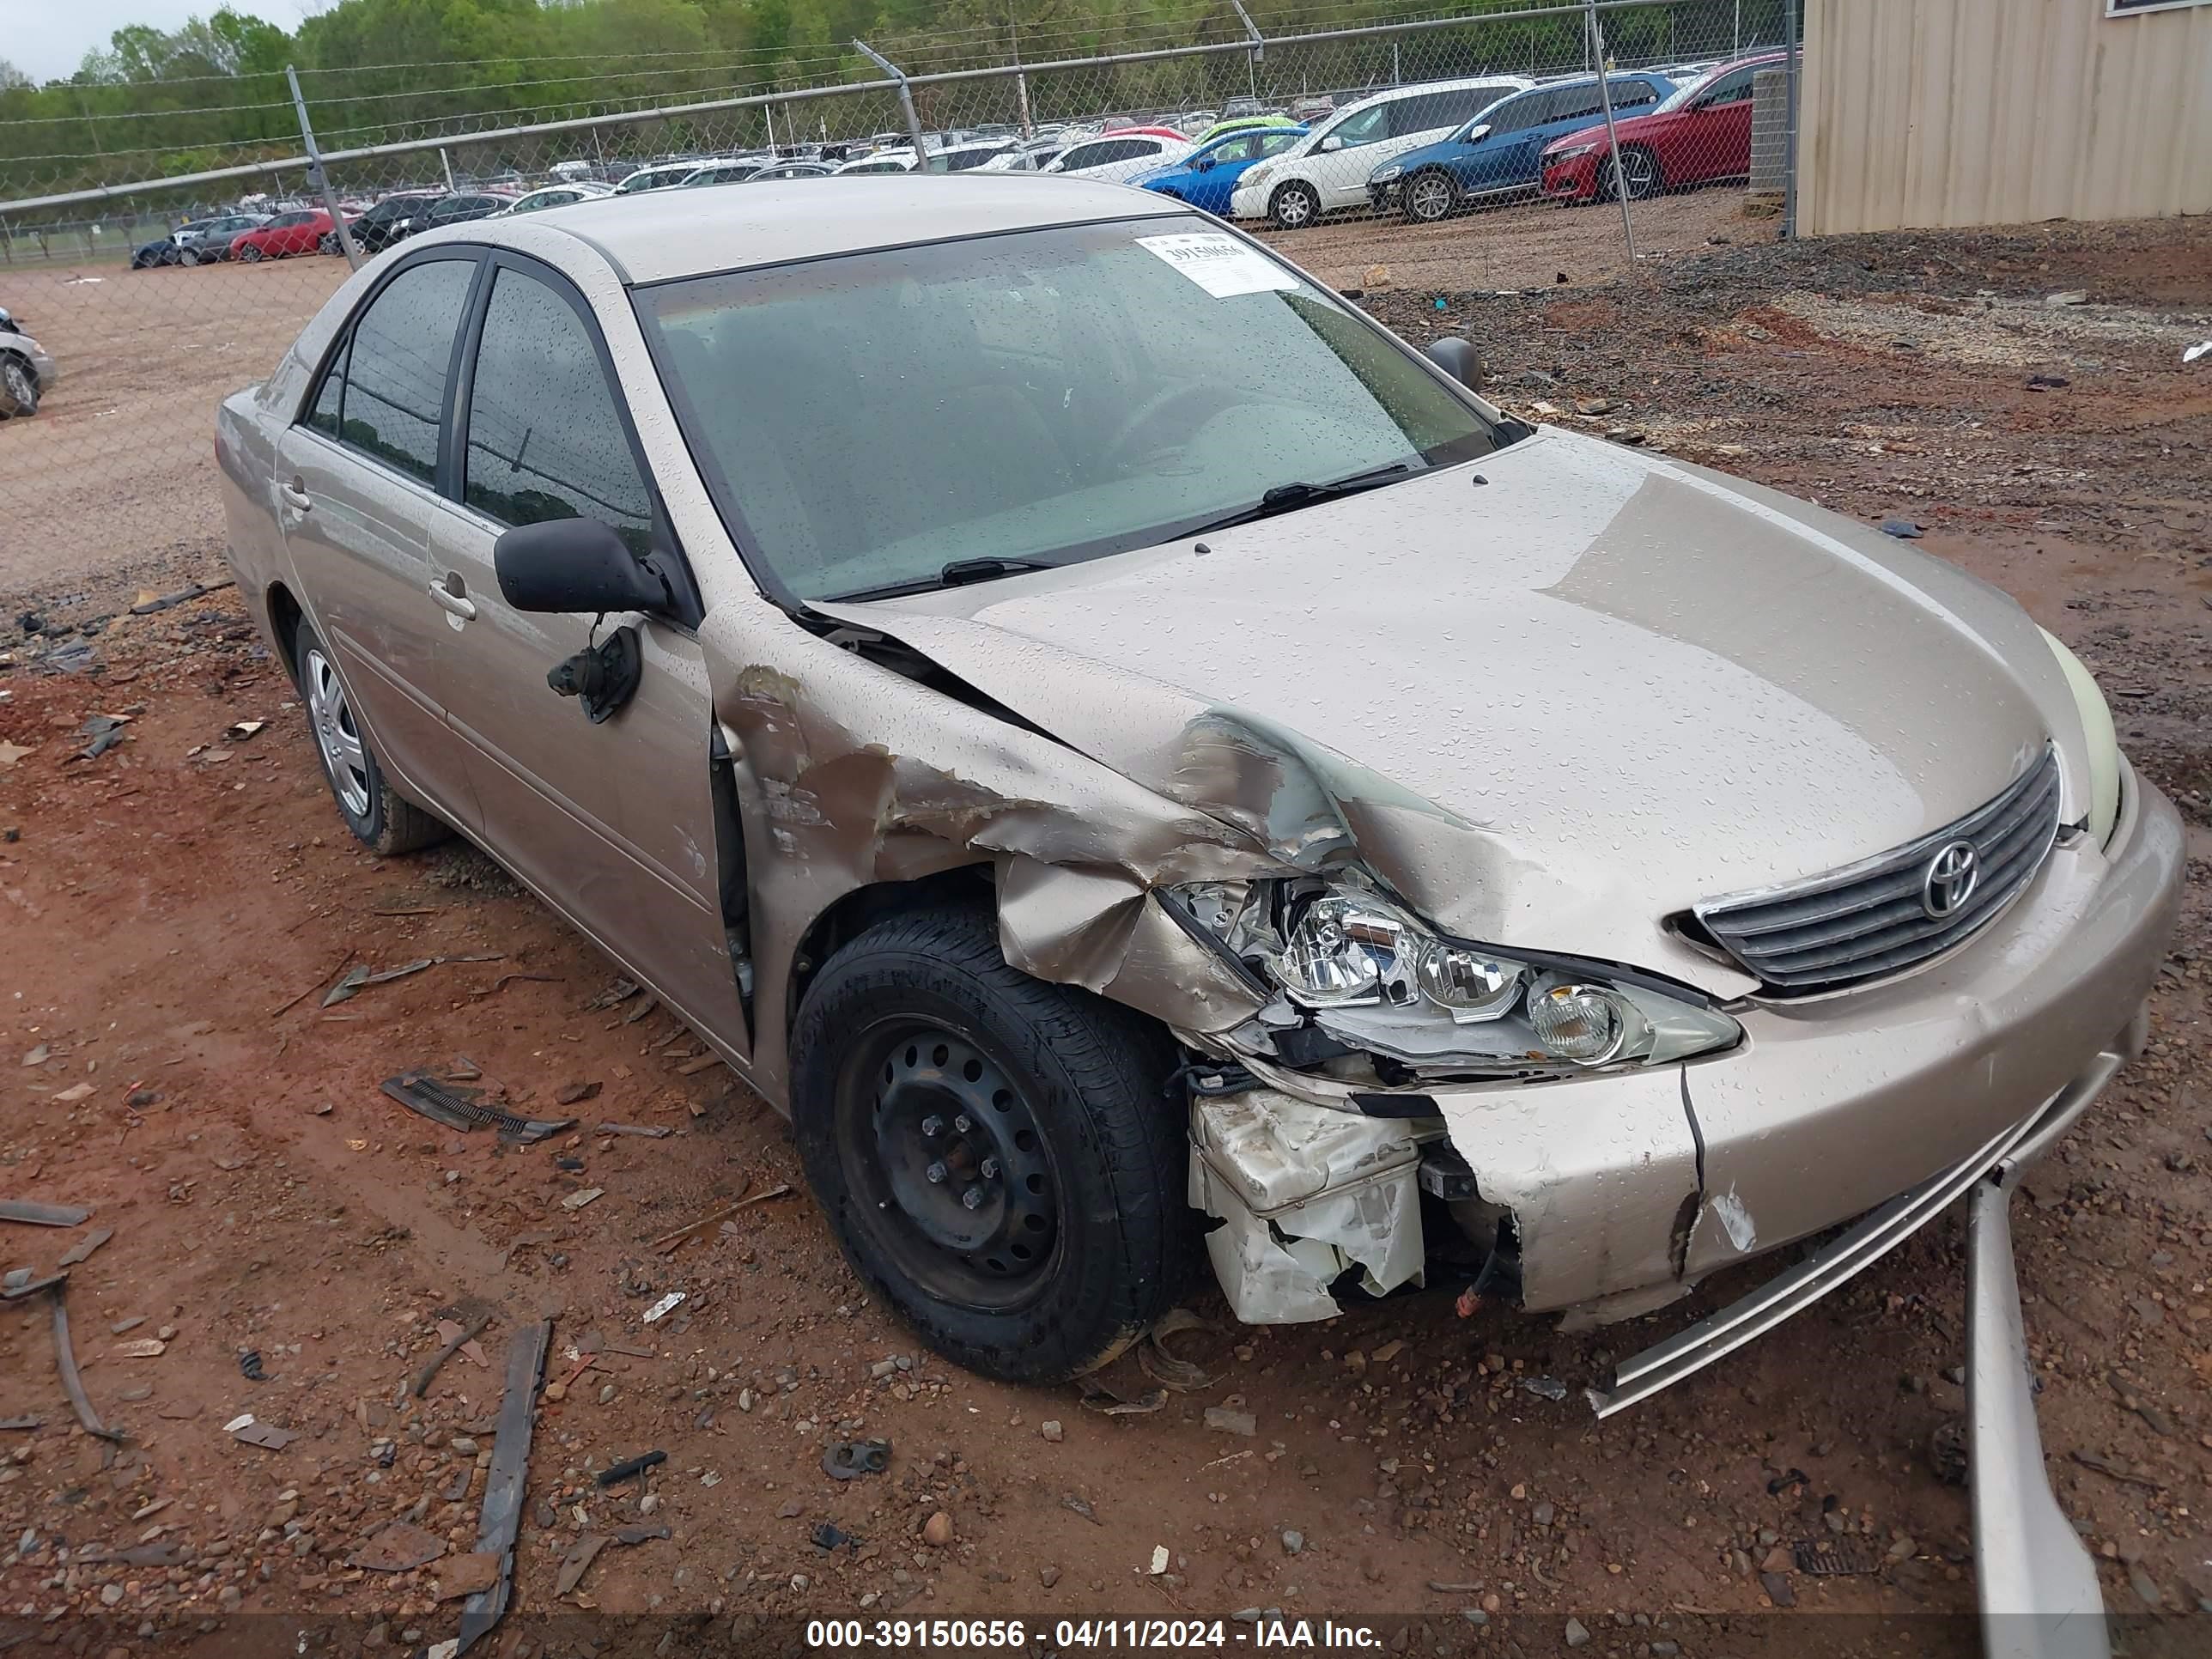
{"points": [[1625, 1190], [1572, 182], [1248, 202]]}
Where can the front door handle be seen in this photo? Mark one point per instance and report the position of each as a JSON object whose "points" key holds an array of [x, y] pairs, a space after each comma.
{"points": [[452, 597], [296, 496]]}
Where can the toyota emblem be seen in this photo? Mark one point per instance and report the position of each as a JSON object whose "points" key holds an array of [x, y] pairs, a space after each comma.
{"points": [[1952, 876]]}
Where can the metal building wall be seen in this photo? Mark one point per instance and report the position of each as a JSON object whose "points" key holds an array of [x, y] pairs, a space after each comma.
{"points": [[1936, 113]]}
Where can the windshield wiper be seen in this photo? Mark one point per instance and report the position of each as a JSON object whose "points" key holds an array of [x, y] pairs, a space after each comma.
{"points": [[1289, 497], [957, 574]]}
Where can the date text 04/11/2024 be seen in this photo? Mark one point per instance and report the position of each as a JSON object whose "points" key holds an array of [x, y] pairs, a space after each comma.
{"points": [[1107, 1634]]}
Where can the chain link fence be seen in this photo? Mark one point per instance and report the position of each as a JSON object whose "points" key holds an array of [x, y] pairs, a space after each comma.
{"points": [[160, 268]]}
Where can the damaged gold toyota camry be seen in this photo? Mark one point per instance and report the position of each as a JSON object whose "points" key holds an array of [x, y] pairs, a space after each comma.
{"points": [[1125, 750]]}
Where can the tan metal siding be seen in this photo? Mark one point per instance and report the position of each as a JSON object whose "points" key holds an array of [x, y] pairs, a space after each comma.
{"points": [[1935, 112]]}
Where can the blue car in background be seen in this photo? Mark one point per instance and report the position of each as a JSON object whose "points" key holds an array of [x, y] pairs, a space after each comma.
{"points": [[1502, 149], [1206, 178]]}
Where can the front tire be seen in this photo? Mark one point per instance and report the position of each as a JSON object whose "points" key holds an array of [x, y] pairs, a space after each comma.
{"points": [[190, 256], [251, 253], [1294, 205], [995, 1153], [382, 821], [1430, 197], [19, 387], [1639, 171]]}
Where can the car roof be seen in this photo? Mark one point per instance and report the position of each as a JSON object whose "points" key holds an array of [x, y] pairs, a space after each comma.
{"points": [[651, 239], [1414, 88]]}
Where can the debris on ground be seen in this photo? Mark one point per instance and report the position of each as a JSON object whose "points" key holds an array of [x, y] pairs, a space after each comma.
{"points": [[848, 1459], [621, 991], [249, 1365], [660, 1310], [460, 1339], [500, 1521], [1229, 1421], [1904, 529], [254, 1432], [104, 732], [444, 1100], [182, 596], [72, 1383], [360, 978], [396, 1546], [82, 1249], [1167, 1368], [571, 1094], [43, 1215], [1545, 1387], [649, 1131], [631, 1467], [577, 1200], [1098, 1397], [578, 1562]]}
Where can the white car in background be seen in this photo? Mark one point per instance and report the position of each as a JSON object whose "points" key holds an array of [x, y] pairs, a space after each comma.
{"points": [[953, 158], [1117, 157], [661, 175], [1328, 168], [553, 196]]}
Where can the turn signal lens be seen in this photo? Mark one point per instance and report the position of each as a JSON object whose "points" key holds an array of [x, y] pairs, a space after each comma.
{"points": [[1580, 1023]]}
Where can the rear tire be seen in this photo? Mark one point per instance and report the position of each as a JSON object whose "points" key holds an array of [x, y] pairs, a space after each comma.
{"points": [[251, 253], [381, 820], [995, 1153], [1294, 205], [18, 387]]}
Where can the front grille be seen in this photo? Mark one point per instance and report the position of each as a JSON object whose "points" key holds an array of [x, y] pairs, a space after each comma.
{"points": [[1873, 919]]}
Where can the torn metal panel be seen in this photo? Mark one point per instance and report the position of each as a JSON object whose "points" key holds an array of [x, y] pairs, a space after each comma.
{"points": [[1304, 1195], [826, 811], [500, 1521], [2036, 1583]]}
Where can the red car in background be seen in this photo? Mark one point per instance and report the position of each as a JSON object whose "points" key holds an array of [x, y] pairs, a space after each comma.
{"points": [[1701, 133], [300, 231]]}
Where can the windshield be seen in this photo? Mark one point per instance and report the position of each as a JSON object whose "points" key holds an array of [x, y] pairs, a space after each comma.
{"points": [[1047, 396]]}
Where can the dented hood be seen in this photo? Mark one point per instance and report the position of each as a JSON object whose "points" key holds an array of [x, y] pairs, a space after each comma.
{"points": [[1551, 697]]}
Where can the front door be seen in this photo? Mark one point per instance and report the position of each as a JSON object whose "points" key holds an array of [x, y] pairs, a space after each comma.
{"points": [[356, 501], [613, 822]]}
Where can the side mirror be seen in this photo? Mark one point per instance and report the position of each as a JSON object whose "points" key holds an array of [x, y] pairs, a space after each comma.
{"points": [[1475, 133], [1331, 144], [1452, 355], [573, 564], [1204, 164]]}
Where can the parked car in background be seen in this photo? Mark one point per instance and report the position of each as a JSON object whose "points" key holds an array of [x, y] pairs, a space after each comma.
{"points": [[553, 196], [1035, 156], [459, 208], [881, 161], [1700, 133], [1206, 178], [1328, 168], [378, 227], [721, 173], [1501, 151], [661, 175], [1114, 157], [169, 250], [1241, 124], [300, 231], [783, 170], [27, 368], [208, 242]]}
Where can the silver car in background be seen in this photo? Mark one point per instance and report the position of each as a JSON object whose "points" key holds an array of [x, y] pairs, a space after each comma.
{"points": [[27, 368], [1262, 792]]}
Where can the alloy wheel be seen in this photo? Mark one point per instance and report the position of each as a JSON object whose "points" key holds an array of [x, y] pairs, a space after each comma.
{"points": [[1429, 197], [1294, 206], [336, 735], [1640, 173]]}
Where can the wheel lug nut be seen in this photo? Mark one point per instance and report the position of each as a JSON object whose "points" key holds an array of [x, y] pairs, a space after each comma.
{"points": [[972, 1199], [932, 1127], [937, 1173], [963, 1123], [990, 1168]]}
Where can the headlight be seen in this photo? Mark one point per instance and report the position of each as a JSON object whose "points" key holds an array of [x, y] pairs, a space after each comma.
{"points": [[1354, 965], [1568, 153], [1387, 172], [2104, 743], [1258, 175]]}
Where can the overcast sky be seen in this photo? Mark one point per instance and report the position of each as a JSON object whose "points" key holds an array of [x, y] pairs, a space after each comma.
{"points": [[48, 39]]}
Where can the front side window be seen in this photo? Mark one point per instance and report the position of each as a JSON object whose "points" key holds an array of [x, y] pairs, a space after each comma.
{"points": [[402, 357], [1731, 88], [1275, 143], [1238, 149], [1049, 395], [546, 439], [1363, 128]]}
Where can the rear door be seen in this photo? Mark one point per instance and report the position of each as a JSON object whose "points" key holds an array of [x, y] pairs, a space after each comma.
{"points": [[614, 823], [355, 503]]}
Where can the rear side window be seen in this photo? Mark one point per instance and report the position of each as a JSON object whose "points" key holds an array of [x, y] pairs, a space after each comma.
{"points": [[545, 438], [1627, 95], [396, 370]]}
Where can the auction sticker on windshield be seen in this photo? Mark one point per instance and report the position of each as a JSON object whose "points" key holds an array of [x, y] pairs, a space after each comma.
{"points": [[1219, 264]]}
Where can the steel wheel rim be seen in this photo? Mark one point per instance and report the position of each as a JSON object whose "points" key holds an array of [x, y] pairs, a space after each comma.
{"points": [[19, 381], [1292, 207], [250, 254], [1429, 197], [973, 1213], [344, 757]]}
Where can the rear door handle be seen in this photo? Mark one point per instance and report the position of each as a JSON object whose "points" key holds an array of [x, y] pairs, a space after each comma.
{"points": [[452, 596], [296, 496]]}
